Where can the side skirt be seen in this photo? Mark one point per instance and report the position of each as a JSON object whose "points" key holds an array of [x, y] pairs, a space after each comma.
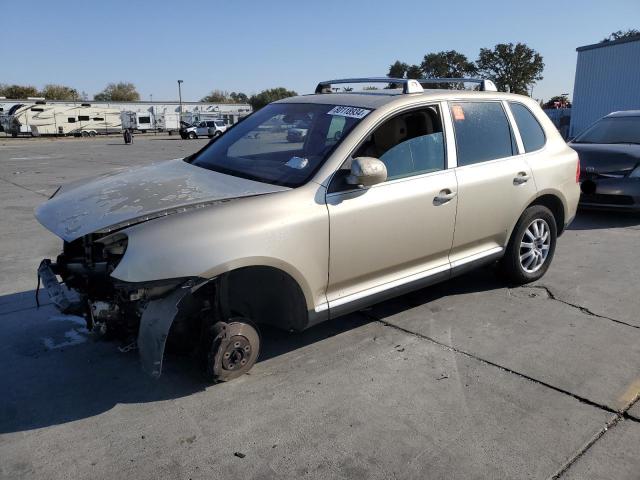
{"points": [[366, 298]]}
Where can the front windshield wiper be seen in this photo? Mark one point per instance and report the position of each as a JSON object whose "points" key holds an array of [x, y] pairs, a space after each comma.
{"points": [[624, 143]]}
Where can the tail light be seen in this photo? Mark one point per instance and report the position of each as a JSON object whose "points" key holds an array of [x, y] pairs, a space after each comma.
{"points": [[578, 171]]}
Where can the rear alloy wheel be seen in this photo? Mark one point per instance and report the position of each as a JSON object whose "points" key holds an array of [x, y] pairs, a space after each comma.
{"points": [[234, 349], [531, 246]]}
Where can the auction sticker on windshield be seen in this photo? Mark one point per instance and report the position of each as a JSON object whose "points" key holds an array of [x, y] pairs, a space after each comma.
{"points": [[351, 112]]}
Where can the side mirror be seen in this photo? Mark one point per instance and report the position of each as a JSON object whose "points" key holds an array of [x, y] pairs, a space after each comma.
{"points": [[367, 171]]}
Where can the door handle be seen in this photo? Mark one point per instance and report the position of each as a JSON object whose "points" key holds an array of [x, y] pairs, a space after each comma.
{"points": [[521, 178], [444, 196]]}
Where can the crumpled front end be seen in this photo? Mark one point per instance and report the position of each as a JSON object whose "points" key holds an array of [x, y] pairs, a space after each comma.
{"points": [[140, 315]]}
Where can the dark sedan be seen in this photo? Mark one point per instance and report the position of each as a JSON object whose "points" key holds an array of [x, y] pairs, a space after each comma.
{"points": [[609, 154]]}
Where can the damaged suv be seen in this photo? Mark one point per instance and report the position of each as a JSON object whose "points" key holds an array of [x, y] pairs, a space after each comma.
{"points": [[389, 191]]}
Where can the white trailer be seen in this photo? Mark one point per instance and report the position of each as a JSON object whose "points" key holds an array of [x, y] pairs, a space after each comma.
{"points": [[139, 121], [168, 122], [52, 119]]}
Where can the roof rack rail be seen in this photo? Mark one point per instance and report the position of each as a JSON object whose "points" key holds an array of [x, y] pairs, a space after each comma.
{"points": [[485, 85], [409, 85]]}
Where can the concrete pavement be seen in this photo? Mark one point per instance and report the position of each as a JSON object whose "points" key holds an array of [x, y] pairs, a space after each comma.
{"points": [[468, 379]]}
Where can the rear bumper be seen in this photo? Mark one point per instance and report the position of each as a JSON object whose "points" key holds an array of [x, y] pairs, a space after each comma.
{"points": [[611, 193]]}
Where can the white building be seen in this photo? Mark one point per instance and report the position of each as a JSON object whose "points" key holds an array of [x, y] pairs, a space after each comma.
{"points": [[607, 80]]}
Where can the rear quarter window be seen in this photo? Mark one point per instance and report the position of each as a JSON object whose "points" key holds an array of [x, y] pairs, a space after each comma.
{"points": [[533, 137], [482, 132]]}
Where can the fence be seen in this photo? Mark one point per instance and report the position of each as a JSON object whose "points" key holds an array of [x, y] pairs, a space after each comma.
{"points": [[561, 118]]}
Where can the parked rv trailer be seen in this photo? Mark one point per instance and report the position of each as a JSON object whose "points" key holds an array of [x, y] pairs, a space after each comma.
{"points": [[168, 122], [54, 119], [139, 121]]}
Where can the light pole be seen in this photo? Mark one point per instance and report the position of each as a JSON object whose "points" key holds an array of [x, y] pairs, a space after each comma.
{"points": [[180, 97]]}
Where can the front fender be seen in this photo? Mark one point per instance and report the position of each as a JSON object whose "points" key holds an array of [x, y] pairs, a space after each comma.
{"points": [[288, 231]]}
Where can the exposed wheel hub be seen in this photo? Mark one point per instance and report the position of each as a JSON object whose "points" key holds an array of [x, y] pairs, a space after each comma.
{"points": [[237, 354], [234, 349]]}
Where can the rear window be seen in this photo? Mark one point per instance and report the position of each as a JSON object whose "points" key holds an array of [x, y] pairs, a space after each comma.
{"points": [[531, 132], [482, 132]]}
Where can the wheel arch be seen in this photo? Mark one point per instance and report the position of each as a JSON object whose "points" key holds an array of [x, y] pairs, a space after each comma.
{"points": [[266, 294], [553, 200]]}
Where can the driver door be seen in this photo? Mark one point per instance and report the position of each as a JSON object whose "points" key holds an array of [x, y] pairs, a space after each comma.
{"points": [[394, 236]]}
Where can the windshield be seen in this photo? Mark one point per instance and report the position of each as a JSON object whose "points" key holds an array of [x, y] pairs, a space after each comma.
{"points": [[612, 130], [261, 147]]}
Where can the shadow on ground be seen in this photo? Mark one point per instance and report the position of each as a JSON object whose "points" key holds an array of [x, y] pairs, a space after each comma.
{"points": [[52, 372], [64, 382], [602, 219]]}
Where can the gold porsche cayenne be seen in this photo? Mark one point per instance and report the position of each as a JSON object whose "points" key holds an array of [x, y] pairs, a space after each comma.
{"points": [[387, 191]]}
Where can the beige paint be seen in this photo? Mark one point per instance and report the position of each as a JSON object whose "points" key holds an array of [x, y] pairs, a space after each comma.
{"points": [[352, 244]]}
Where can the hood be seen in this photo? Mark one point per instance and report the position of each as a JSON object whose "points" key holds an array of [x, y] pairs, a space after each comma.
{"points": [[140, 194], [607, 158]]}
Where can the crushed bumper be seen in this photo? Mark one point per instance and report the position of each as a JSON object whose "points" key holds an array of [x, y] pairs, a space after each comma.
{"points": [[60, 296], [611, 193], [165, 302]]}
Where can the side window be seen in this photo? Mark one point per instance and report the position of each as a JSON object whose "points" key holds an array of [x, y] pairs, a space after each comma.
{"points": [[71, 119], [531, 132], [409, 144], [482, 132]]}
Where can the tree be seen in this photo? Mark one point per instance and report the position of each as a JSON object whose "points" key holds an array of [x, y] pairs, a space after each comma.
{"points": [[512, 68], [397, 70], [450, 64], [18, 91], [265, 97], [217, 96], [414, 71], [118, 92], [403, 70], [239, 97], [559, 101], [620, 34], [59, 92]]}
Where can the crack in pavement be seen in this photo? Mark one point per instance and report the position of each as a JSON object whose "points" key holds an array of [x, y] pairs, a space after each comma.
{"points": [[25, 188], [585, 310], [618, 415], [587, 446], [503, 368]]}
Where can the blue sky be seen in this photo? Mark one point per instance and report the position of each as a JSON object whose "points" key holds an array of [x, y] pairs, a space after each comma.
{"points": [[251, 45]]}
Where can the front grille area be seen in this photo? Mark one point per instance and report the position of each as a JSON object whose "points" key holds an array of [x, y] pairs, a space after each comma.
{"points": [[605, 199]]}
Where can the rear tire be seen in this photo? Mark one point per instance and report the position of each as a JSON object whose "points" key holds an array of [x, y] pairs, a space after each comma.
{"points": [[531, 246]]}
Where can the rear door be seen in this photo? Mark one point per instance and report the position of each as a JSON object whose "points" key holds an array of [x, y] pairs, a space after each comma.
{"points": [[495, 183], [201, 129]]}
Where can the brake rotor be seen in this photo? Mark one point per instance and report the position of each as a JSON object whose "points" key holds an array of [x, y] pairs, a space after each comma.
{"points": [[234, 350]]}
